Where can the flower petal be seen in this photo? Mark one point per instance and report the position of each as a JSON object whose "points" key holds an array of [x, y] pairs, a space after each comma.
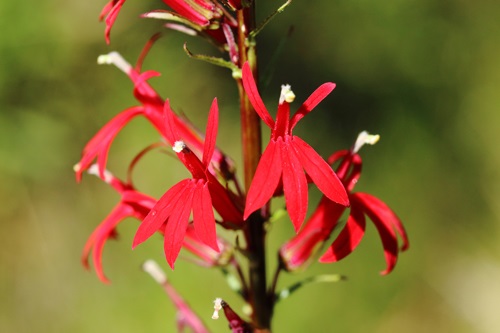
{"points": [[211, 133], [320, 172], [170, 128], [224, 202], [177, 223], [294, 184], [203, 217], [254, 96], [299, 250], [100, 143], [385, 221], [265, 180], [171, 201], [312, 101], [112, 14], [190, 12], [100, 235], [349, 238]]}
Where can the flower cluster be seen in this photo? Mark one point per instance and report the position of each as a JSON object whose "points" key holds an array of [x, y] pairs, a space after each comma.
{"points": [[190, 214]]}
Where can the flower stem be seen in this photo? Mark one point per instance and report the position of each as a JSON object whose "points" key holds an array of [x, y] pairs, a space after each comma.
{"points": [[255, 233]]}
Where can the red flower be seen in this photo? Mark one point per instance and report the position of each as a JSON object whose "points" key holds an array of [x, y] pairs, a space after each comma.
{"points": [[197, 195], [387, 223], [297, 252], [132, 204], [152, 109], [287, 156]]}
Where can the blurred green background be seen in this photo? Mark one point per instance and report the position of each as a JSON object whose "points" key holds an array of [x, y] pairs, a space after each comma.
{"points": [[423, 74]]}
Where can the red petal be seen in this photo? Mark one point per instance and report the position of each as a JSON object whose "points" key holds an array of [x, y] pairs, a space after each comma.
{"points": [[316, 97], [203, 217], [320, 172], [177, 224], [211, 133], [223, 202], [294, 184], [265, 180], [184, 9], [100, 143], [137, 198], [172, 200], [338, 155], [99, 237], [170, 128], [111, 18], [254, 96], [385, 221], [349, 238], [105, 10]]}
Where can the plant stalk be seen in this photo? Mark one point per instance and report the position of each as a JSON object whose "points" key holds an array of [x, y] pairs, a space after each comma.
{"points": [[255, 233]]}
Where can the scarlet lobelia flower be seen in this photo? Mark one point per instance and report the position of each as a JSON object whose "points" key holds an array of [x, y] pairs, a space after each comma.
{"points": [[152, 109], [287, 156], [298, 251], [132, 204], [197, 194]]}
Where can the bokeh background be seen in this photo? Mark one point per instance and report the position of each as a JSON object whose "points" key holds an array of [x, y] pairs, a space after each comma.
{"points": [[423, 74]]}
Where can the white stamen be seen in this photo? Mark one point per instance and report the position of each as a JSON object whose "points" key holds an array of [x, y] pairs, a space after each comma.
{"points": [[217, 308], [160, 15], [178, 146], [152, 268], [94, 170], [115, 58], [365, 138], [287, 94], [181, 28]]}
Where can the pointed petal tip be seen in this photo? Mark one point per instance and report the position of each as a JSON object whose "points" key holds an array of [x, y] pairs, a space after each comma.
{"points": [[327, 258], [171, 262], [104, 279], [247, 213], [136, 241], [85, 262]]}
